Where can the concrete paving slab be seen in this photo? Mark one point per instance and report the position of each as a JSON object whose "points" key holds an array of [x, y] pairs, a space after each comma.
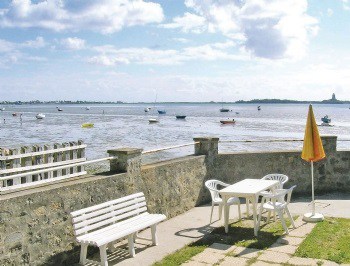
{"points": [[274, 257], [328, 263], [207, 256], [229, 261], [247, 252], [302, 261], [263, 263], [221, 248], [289, 240], [278, 247]]}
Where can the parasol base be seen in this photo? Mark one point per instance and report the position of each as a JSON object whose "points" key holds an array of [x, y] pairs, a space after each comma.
{"points": [[317, 217]]}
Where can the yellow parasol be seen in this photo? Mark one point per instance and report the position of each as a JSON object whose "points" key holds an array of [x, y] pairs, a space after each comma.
{"points": [[312, 152]]}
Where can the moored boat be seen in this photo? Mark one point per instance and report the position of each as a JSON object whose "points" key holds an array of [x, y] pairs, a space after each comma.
{"points": [[161, 112], [40, 116], [259, 108], [14, 114], [180, 116], [326, 119], [224, 110], [153, 120], [226, 122], [147, 109]]}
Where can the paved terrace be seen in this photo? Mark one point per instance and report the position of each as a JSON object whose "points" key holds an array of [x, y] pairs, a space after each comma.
{"points": [[188, 227]]}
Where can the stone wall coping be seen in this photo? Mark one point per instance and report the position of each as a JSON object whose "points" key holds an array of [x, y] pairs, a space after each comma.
{"points": [[206, 139], [171, 161], [126, 151]]}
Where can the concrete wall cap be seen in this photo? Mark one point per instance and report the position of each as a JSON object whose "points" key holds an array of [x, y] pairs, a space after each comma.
{"points": [[206, 139], [126, 151]]}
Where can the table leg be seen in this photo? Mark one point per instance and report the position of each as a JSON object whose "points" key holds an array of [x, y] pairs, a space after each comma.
{"points": [[254, 203], [226, 210]]}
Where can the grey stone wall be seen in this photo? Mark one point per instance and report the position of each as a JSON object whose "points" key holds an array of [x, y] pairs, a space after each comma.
{"points": [[35, 226], [332, 174]]}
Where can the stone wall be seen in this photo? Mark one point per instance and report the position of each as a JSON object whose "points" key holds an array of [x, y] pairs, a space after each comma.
{"points": [[331, 174], [35, 227]]}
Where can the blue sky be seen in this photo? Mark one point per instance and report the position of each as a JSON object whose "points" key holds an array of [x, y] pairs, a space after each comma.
{"points": [[181, 50]]}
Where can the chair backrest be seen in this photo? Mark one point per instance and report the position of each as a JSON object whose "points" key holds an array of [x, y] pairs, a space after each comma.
{"points": [[212, 185], [279, 177]]}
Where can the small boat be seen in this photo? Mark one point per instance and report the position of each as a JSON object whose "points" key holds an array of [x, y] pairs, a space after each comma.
{"points": [[87, 125], [161, 112], [259, 108], [326, 119], [325, 125], [87, 108], [40, 116], [226, 122], [147, 109], [224, 110], [14, 114], [59, 109], [237, 113], [153, 120], [180, 117], [2, 109]]}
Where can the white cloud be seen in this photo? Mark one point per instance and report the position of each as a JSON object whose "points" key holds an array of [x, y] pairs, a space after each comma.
{"points": [[106, 16], [73, 43], [181, 40], [109, 55], [187, 23], [39, 42], [12, 53], [270, 29]]}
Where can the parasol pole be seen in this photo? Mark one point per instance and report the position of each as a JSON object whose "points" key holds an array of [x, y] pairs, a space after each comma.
{"points": [[312, 187]]}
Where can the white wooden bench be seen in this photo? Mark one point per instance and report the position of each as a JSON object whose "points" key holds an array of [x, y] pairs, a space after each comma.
{"points": [[105, 223]]}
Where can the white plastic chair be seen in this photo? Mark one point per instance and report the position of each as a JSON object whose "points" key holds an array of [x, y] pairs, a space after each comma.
{"points": [[275, 201], [212, 185], [280, 177]]}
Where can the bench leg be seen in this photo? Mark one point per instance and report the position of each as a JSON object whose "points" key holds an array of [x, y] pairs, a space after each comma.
{"points": [[131, 245], [135, 236], [83, 253], [103, 255], [154, 234]]}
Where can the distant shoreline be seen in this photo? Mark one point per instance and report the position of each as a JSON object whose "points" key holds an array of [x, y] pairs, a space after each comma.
{"points": [[255, 101]]}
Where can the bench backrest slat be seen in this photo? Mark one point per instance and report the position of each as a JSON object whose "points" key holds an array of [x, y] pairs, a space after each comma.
{"points": [[108, 209], [108, 215], [98, 216], [110, 221]]}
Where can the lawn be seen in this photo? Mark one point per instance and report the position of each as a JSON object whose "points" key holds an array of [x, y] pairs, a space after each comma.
{"points": [[240, 234], [329, 240]]}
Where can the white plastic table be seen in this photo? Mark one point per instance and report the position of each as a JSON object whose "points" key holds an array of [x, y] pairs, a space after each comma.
{"points": [[249, 189]]}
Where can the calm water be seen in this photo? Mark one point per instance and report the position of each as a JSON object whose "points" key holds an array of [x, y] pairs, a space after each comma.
{"points": [[126, 125]]}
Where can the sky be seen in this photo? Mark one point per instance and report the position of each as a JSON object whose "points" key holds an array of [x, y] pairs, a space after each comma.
{"points": [[175, 50]]}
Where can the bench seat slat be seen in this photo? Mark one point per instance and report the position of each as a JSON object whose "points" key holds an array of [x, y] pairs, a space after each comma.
{"points": [[109, 221], [119, 230], [107, 209], [107, 215], [106, 204]]}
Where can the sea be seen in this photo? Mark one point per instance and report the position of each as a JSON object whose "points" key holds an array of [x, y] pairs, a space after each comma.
{"points": [[126, 125]]}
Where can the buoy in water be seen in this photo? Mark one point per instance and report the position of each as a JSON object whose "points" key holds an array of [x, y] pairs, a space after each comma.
{"points": [[87, 125]]}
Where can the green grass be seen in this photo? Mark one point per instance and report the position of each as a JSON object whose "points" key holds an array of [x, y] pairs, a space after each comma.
{"points": [[240, 234], [329, 240]]}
